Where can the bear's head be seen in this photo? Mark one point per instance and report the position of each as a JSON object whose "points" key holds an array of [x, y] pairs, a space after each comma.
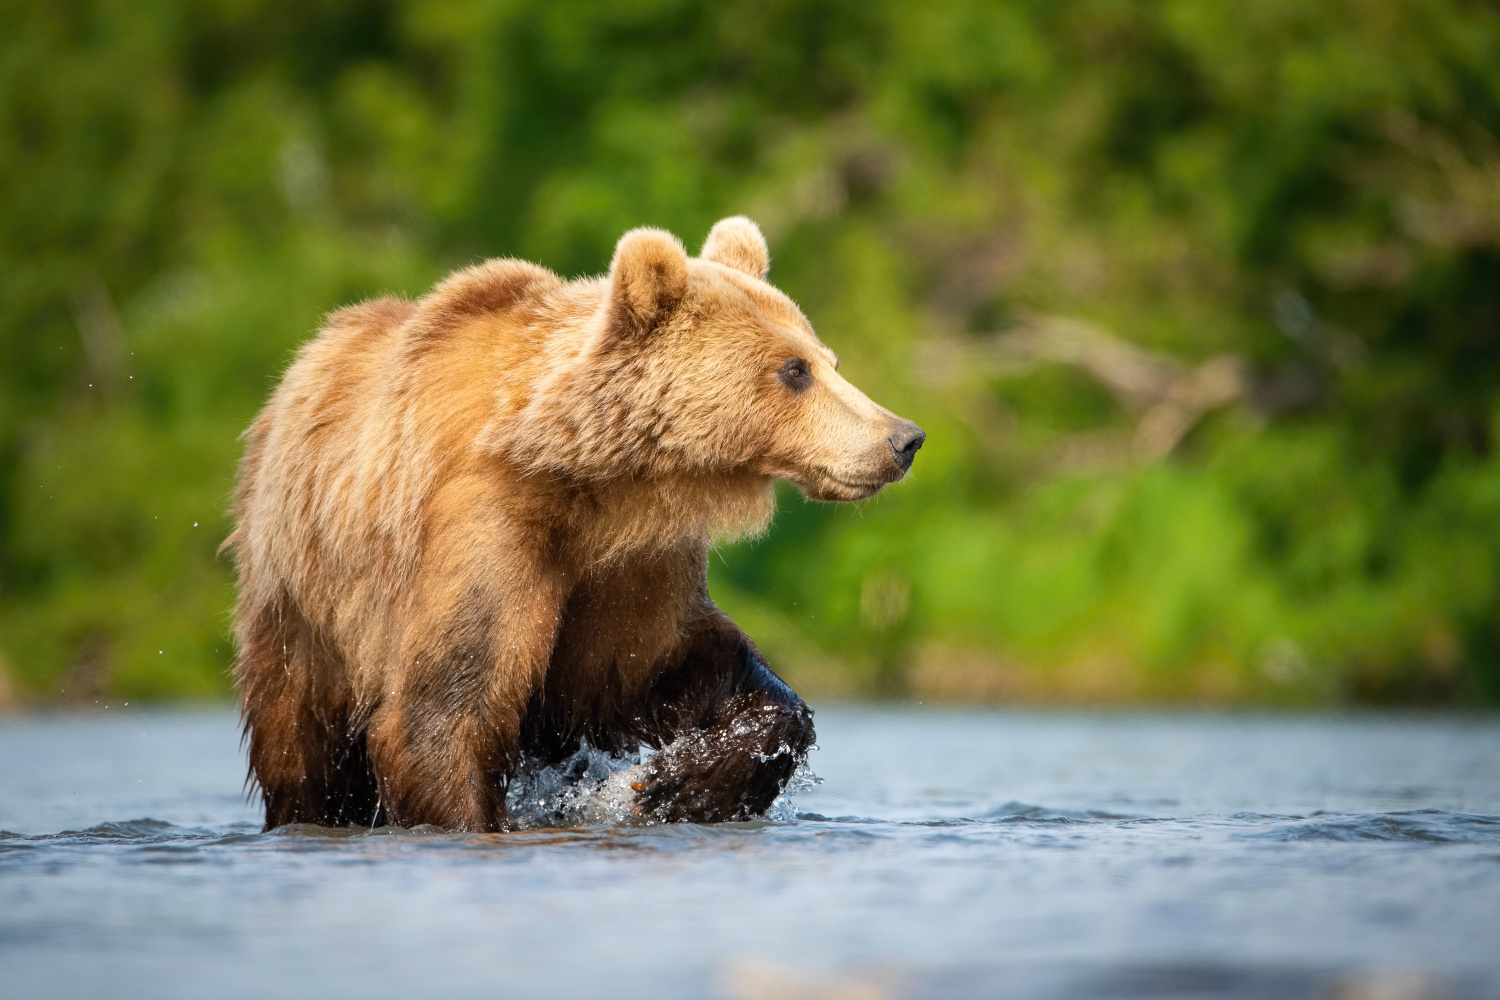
{"points": [[698, 366]]}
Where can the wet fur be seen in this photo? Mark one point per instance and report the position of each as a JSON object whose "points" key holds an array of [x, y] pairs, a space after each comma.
{"points": [[476, 526]]}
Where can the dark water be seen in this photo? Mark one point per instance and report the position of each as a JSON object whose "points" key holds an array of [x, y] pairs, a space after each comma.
{"points": [[946, 854]]}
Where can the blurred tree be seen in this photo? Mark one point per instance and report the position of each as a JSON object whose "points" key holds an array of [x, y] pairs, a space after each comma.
{"points": [[1198, 304]]}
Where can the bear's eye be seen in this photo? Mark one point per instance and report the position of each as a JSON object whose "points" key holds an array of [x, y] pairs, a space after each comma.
{"points": [[796, 374]]}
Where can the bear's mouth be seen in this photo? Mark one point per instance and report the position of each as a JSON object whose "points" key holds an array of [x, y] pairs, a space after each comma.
{"points": [[826, 486]]}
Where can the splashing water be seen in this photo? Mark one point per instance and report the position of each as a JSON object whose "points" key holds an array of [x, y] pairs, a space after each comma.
{"points": [[590, 788], [784, 809], [595, 788]]}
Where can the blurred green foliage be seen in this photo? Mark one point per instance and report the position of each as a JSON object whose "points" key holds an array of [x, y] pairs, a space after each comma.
{"points": [[1309, 193]]}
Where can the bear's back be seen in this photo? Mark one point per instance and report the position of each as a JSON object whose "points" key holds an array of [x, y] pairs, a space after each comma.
{"points": [[300, 449], [374, 411]]}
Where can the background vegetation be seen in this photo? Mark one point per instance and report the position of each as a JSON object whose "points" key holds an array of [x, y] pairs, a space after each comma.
{"points": [[1198, 302]]}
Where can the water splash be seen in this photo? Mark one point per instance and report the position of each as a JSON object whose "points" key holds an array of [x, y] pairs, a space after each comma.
{"points": [[784, 809], [590, 788], [595, 788]]}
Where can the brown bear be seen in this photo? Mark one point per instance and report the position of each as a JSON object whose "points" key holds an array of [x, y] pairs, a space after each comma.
{"points": [[475, 527]]}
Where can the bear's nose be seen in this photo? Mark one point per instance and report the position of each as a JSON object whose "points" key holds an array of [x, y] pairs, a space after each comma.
{"points": [[908, 437]]}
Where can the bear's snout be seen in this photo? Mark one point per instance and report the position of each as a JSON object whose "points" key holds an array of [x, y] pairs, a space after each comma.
{"points": [[904, 442]]}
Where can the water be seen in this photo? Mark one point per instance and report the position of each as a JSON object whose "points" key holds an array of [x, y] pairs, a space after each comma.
{"points": [[946, 854]]}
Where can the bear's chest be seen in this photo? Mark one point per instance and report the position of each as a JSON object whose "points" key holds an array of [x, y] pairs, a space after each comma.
{"points": [[619, 628]]}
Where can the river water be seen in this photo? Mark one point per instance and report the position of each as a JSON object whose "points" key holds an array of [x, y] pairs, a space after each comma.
{"points": [[946, 853]]}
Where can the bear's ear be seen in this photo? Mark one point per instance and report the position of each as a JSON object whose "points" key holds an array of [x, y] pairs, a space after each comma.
{"points": [[647, 278], [737, 242]]}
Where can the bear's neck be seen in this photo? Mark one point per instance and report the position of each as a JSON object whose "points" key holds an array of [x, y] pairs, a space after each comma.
{"points": [[632, 517]]}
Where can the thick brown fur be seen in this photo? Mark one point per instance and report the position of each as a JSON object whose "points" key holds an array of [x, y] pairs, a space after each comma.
{"points": [[476, 526]]}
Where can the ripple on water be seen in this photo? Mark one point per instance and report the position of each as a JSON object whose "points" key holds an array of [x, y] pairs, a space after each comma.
{"points": [[1432, 826], [949, 855], [588, 815]]}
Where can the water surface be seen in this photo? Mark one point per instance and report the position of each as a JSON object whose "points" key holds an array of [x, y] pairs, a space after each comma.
{"points": [[945, 854]]}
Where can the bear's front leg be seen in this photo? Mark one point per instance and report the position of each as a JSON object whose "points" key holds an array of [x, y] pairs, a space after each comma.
{"points": [[444, 740], [740, 734]]}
